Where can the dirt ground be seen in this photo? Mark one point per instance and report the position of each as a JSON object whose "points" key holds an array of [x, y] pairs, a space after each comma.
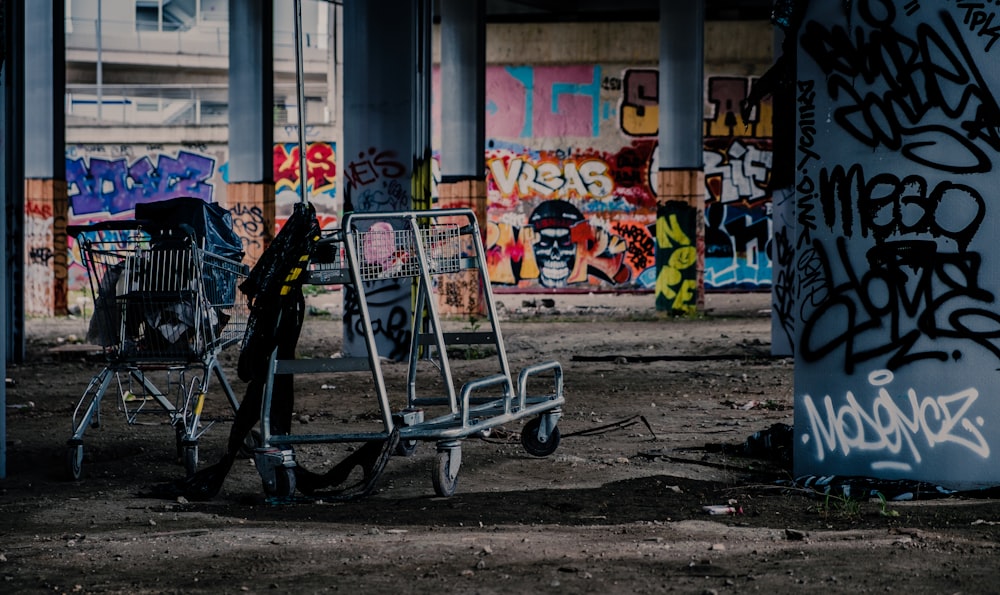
{"points": [[618, 508]]}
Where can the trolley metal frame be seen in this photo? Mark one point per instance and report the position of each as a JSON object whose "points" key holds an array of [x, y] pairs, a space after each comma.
{"points": [[163, 305], [420, 245]]}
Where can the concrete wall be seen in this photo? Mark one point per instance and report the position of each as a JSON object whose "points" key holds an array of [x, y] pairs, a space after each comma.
{"points": [[571, 117], [571, 126], [106, 181]]}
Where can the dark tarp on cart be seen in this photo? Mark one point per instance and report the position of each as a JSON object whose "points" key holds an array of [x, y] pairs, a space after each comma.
{"points": [[209, 221]]}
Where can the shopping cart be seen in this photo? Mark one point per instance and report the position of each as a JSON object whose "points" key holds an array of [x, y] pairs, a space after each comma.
{"points": [[415, 246], [165, 306]]}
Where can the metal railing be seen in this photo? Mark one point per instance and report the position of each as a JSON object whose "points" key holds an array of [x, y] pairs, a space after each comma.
{"points": [[180, 105], [208, 37]]}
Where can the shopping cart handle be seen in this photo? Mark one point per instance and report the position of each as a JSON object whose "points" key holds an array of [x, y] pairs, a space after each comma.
{"points": [[75, 230], [128, 225]]}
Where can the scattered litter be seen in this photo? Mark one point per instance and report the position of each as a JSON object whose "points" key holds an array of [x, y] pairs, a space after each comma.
{"points": [[774, 443], [732, 507]]}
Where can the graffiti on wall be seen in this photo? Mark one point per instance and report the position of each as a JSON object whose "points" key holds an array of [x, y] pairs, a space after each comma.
{"points": [[613, 113], [676, 258], [571, 218], [106, 182], [98, 185], [737, 159], [544, 101], [45, 270], [738, 218], [321, 181], [896, 277], [378, 181]]}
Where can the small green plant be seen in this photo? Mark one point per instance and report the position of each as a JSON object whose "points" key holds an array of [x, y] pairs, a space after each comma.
{"points": [[473, 351], [850, 508], [842, 505], [884, 509]]}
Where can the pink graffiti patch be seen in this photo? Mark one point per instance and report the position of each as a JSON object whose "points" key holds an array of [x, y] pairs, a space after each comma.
{"points": [[379, 244]]}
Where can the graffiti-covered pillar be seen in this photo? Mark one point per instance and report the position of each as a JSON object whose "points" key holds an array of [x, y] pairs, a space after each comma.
{"points": [[45, 200], [250, 175], [463, 135], [898, 275], [680, 217], [387, 159]]}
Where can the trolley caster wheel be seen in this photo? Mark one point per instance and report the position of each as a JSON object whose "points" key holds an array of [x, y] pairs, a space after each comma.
{"points": [[446, 467], [282, 484], [277, 471], [190, 459], [250, 443], [74, 461], [407, 417], [406, 448], [180, 440], [531, 442]]}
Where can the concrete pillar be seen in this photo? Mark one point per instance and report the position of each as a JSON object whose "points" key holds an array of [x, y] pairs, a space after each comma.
{"points": [[386, 152], [11, 174], [12, 245], [898, 276], [45, 201], [782, 186], [463, 137], [251, 124], [680, 221]]}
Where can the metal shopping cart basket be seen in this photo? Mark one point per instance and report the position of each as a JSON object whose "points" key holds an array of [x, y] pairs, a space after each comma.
{"points": [[165, 306], [419, 246]]}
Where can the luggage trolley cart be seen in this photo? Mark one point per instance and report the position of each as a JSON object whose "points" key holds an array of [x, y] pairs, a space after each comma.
{"points": [[163, 305], [418, 245]]}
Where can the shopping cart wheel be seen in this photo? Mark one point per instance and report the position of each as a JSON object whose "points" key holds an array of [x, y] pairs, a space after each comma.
{"points": [[250, 443], [449, 460], [190, 458], [74, 459], [407, 417], [536, 446], [283, 484], [406, 448], [180, 437], [277, 470]]}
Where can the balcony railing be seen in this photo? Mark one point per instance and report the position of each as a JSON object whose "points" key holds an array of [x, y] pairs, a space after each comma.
{"points": [[180, 105], [207, 38]]}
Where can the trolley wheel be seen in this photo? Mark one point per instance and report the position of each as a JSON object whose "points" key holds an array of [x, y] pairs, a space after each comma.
{"points": [[406, 448], [250, 443], [190, 459], [446, 472], [180, 438], [74, 461], [531, 442], [284, 483]]}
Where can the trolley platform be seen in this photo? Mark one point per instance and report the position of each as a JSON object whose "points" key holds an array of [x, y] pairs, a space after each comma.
{"points": [[419, 246]]}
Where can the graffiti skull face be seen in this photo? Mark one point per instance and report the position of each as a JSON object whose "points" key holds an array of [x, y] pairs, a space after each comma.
{"points": [[555, 253]]}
